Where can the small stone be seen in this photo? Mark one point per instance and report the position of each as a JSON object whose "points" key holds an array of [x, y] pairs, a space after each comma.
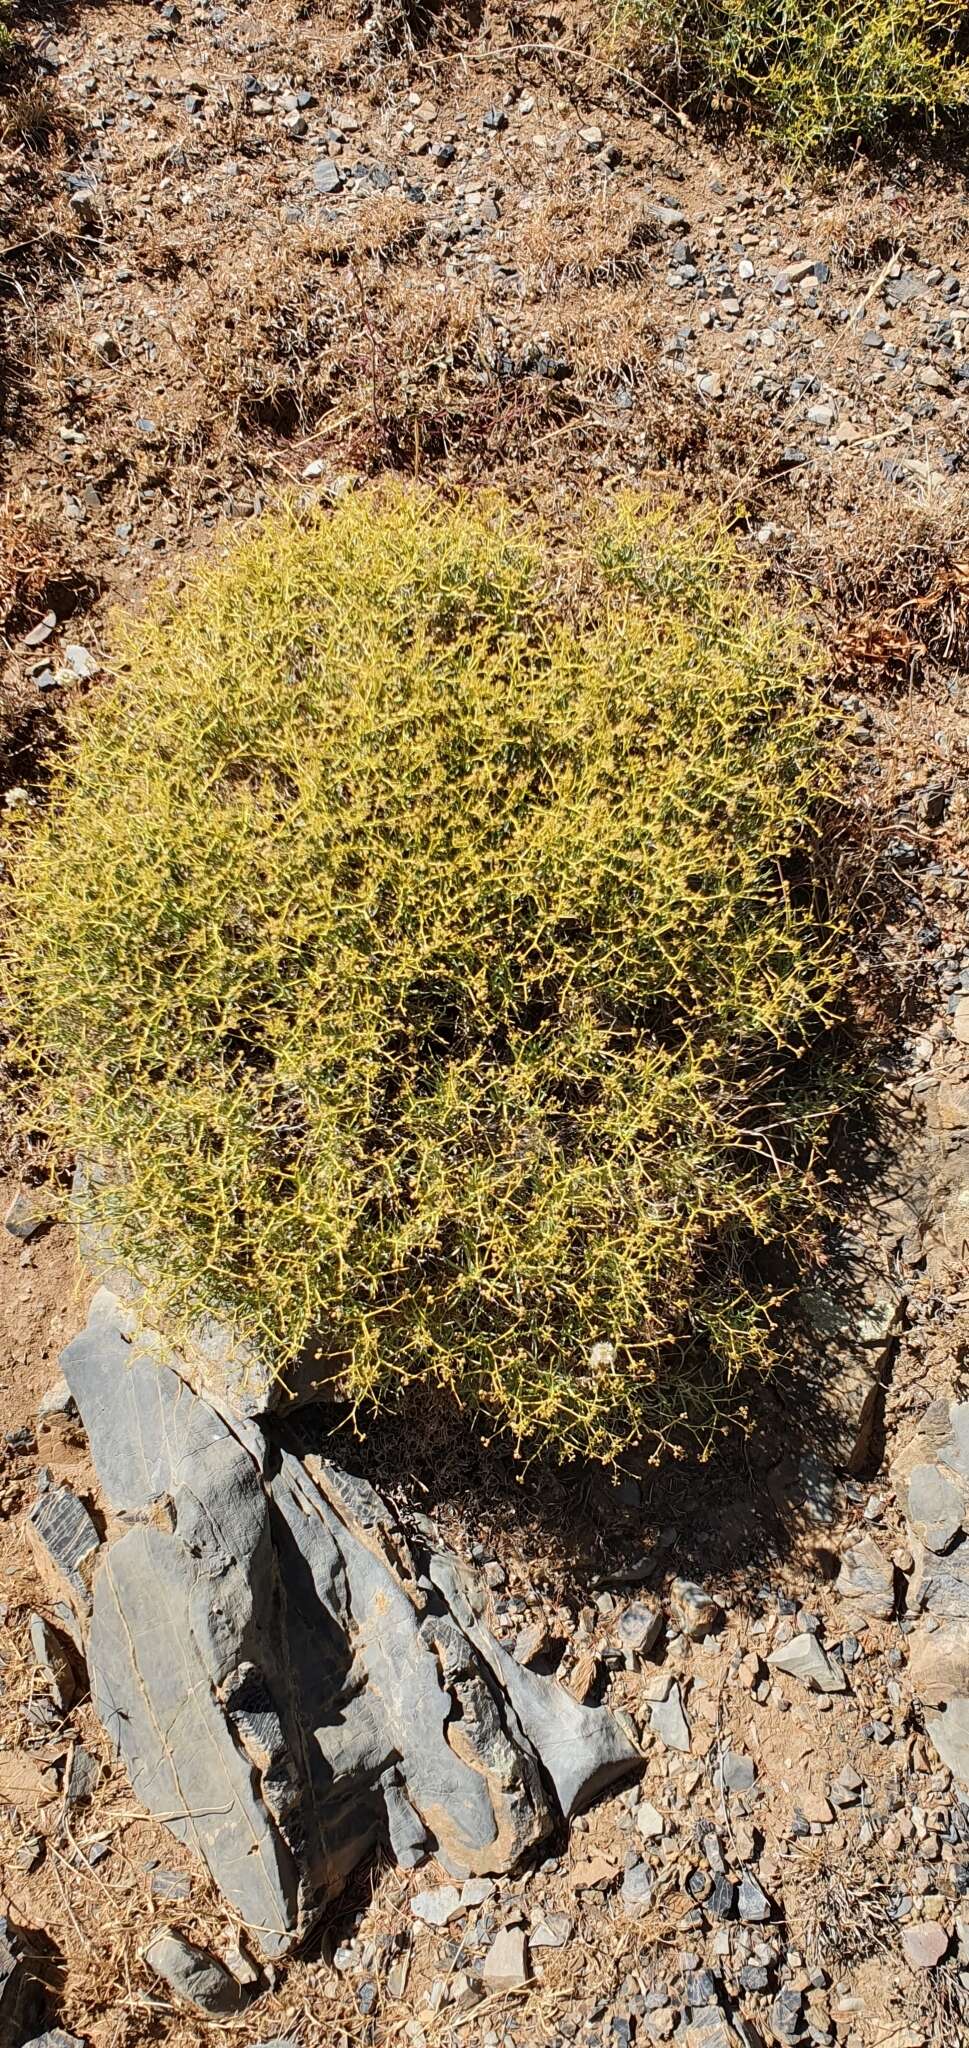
{"points": [[753, 1904], [55, 2037], [701, 1988], [668, 1720], [816, 1808], [23, 1219], [710, 385], [648, 1821], [58, 1400], [803, 1658], [495, 120], [637, 1891], [326, 176], [194, 1975], [960, 1020], [80, 660], [695, 1612], [720, 1903], [552, 1931], [737, 1771], [437, 1908], [505, 1966], [785, 2017], [52, 1659], [83, 1776], [475, 1891], [640, 1627], [924, 1944]]}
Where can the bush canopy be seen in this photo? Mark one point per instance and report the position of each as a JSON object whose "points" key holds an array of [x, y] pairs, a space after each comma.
{"points": [[818, 75], [420, 938]]}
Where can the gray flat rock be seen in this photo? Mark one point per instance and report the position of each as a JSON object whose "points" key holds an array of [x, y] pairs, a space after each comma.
{"points": [[853, 1312], [668, 1720], [435, 1908], [506, 1965], [146, 1427], [153, 1693], [940, 1585], [287, 1677], [804, 1658], [931, 1475]]}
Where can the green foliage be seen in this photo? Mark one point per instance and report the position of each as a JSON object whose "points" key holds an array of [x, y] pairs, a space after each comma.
{"points": [[820, 74], [420, 935]]}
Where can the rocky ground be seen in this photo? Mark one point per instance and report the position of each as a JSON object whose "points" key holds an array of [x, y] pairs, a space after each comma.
{"points": [[249, 248]]}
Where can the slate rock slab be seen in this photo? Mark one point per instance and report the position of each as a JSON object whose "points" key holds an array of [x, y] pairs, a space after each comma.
{"points": [[288, 1676], [931, 1476]]}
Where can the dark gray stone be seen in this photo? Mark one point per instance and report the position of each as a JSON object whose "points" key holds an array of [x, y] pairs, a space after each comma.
{"points": [[785, 2017], [195, 1976], [83, 1775], [170, 1885], [326, 176], [23, 1220], [287, 1678], [51, 1658], [637, 1890], [66, 1542], [14, 1987], [753, 1904]]}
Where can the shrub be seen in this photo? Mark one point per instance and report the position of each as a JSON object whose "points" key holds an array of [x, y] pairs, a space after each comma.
{"points": [[420, 936], [819, 74]]}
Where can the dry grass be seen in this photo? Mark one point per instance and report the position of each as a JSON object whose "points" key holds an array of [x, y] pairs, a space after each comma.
{"points": [[902, 596]]}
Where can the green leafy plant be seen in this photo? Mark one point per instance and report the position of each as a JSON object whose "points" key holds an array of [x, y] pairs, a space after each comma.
{"points": [[420, 939], [818, 74]]}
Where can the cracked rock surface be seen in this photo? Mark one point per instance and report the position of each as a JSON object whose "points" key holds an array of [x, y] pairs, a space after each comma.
{"points": [[288, 1678]]}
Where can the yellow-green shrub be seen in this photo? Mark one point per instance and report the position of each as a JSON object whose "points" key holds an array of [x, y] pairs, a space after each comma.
{"points": [[419, 934], [818, 74]]}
